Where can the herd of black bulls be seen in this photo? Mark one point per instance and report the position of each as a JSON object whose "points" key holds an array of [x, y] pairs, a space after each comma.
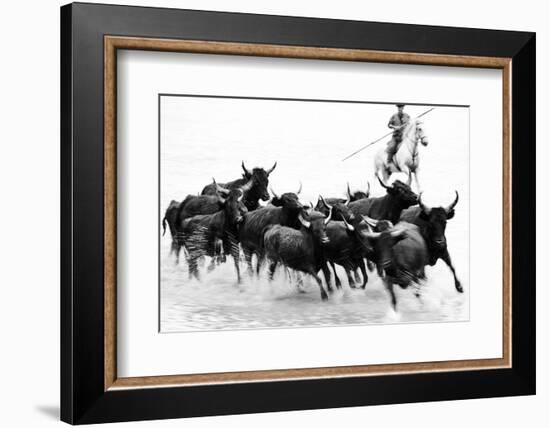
{"points": [[396, 233]]}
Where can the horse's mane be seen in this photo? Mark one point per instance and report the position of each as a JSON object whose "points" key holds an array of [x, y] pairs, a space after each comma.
{"points": [[410, 129]]}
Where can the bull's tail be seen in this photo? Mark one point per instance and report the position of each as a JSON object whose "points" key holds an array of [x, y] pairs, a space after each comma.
{"points": [[164, 223]]}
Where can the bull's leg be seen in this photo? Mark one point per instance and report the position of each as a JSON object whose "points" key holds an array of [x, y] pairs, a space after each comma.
{"points": [[326, 273], [447, 259], [348, 267], [389, 287], [248, 259], [193, 266], [370, 265], [361, 264], [300, 282], [237, 267], [336, 279], [176, 246], [259, 263], [173, 246], [324, 295], [230, 246], [356, 275], [271, 272], [212, 264]]}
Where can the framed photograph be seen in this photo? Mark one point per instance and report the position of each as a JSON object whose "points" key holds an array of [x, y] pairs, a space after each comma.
{"points": [[266, 213]]}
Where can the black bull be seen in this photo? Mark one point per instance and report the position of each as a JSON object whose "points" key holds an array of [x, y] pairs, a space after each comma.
{"points": [[193, 205], [300, 249], [258, 190], [283, 210], [402, 254], [399, 196], [201, 235], [432, 222]]}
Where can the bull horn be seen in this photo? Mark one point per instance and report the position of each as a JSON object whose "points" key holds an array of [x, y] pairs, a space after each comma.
{"points": [[372, 235], [304, 222], [328, 216], [396, 232], [299, 189], [370, 221], [453, 204], [240, 198], [409, 179], [382, 183], [246, 171], [311, 205], [270, 170], [424, 208], [348, 226], [246, 187], [219, 188], [368, 189], [348, 199], [324, 202], [273, 193]]}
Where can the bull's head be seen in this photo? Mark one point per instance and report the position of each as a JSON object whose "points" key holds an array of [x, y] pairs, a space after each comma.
{"points": [[381, 235], [401, 191], [436, 218], [340, 210], [232, 201], [260, 179], [288, 201], [359, 194], [316, 223]]}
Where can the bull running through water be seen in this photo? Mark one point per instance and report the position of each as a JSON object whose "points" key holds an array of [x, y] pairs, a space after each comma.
{"points": [[390, 232]]}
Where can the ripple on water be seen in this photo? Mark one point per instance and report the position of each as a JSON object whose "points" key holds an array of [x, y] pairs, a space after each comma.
{"points": [[217, 302]]}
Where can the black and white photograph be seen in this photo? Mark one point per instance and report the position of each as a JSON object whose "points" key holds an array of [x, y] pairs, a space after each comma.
{"points": [[282, 213]]}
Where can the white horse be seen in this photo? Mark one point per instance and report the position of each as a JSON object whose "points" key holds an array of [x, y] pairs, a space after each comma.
{"points": [[406, 159]]}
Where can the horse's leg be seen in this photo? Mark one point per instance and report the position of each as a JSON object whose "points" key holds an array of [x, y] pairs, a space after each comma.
{"points": [[416, 181], [385, 175], [447, 259]]}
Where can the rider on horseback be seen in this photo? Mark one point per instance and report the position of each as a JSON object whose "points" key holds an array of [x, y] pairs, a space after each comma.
{"points": [[397, 122]]}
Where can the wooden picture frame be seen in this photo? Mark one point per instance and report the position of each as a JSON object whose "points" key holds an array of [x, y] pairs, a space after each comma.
{"points": [[91, 390]]}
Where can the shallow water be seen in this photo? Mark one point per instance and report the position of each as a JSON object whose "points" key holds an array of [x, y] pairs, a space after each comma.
{"points": [[218, 302]]}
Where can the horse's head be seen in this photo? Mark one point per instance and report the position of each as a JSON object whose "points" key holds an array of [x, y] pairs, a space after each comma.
{"points": [[420, 133]]}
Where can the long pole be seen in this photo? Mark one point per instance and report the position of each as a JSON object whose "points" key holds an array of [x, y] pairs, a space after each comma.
{"points": [[382, 137]]}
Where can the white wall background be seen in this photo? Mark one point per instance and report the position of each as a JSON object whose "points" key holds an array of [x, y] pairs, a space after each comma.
{"points": [[29, 171]]}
